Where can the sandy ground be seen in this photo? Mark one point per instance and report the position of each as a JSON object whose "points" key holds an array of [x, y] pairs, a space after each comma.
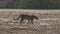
{"points": [[48, 22]]}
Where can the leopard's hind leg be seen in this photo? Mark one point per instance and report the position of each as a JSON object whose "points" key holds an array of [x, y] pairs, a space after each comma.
{"points": [[32, 21], [21, 20]]}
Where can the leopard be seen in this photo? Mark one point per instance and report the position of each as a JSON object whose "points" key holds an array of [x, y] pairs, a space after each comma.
{"points": [[26, 17]]}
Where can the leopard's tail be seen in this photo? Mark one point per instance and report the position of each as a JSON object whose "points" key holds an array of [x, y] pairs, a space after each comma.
{"points": [[16, 18]]}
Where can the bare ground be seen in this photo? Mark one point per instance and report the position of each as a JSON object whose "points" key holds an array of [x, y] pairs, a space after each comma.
{"points": [[48, 23]]}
